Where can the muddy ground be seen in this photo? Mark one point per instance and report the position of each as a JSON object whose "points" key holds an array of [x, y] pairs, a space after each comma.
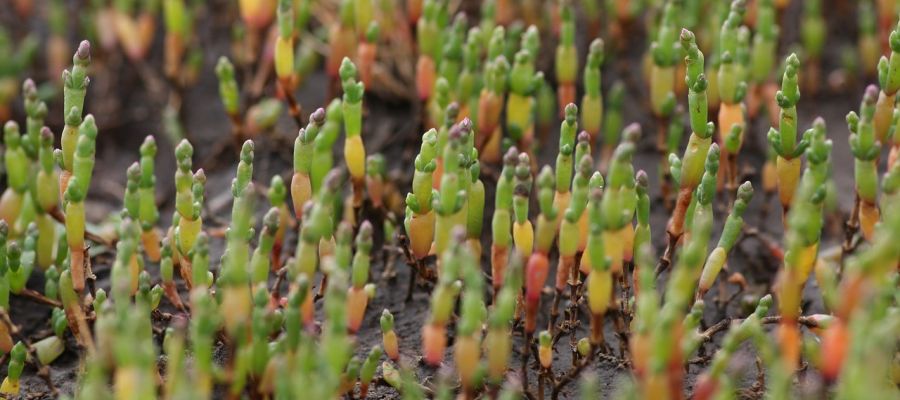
{"points": [[128, 105]]}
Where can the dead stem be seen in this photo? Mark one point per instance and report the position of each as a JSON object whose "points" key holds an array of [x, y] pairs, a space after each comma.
{"points": [[323, 286], [39, 298], [10, 326], [276, 288], [666, 260], [724, 324], [541, 379], [388, 258], [572, 311], [575, 296], [418, 266], [666, 190], [851, 227], [258, 84], [89, 273], [295, 109], [662, 124], [621, 328], [554, 311], [772, 245], [572, 374], [625, 288], [43, 371], [525, 354]]}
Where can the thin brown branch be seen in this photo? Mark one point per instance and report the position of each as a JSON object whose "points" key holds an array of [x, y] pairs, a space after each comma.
{"points": [[572, 374], [39, 298], [724, 324]]}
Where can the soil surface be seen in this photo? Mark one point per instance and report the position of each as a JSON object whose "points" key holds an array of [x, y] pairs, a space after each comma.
{"points": [[128, 102]]}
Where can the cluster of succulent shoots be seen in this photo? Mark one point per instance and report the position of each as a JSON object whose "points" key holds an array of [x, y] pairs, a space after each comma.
{"points": [[288, 299]]}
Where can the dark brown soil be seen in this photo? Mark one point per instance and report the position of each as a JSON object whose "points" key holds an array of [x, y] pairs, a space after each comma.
{"points": [[127, 110]]}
